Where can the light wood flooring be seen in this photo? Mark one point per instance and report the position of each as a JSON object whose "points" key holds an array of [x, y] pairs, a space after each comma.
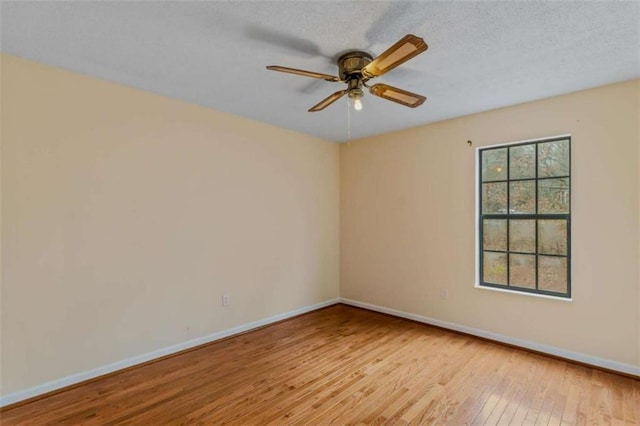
{"points": [[345, 365]]}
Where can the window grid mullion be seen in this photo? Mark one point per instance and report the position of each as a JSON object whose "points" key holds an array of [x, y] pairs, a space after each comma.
{"points": [[508, 213], [526, 179], [537, 216], [481, 224]]}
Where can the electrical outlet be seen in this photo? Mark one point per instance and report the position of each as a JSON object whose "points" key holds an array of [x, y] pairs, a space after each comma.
{"points": [[444, 293], [225, 300]]}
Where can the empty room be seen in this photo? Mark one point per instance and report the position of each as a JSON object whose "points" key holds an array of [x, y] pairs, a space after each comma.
{"points": [[320, 212]]}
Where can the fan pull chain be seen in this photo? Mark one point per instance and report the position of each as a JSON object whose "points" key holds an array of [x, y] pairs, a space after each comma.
{"points": [[348, 121]]}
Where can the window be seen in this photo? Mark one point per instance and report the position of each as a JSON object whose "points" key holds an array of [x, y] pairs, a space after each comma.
{"points": [[524, 223]]}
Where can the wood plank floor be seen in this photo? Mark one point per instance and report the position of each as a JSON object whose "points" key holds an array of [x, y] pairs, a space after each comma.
{"points": [[345, 365]]}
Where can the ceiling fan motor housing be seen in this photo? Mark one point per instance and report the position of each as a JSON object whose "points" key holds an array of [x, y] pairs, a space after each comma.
{"points": [[351, 63]]}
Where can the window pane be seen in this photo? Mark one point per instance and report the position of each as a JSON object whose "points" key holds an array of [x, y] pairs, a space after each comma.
{"points": [[522, 197], [494, 268], [494, 234], [553, 195], [552, 274], [552, 237], [522, 236], [522, 270], [522, 162], [494, 164], [494, 197], [553, 159]]}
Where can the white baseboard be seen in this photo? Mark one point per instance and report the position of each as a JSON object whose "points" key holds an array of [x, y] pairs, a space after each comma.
{"points": [[551, 350], [129, 362]]}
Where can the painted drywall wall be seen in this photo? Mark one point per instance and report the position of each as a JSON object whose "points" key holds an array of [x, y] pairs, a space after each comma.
{"points": [[127, 216], [408, 222]]}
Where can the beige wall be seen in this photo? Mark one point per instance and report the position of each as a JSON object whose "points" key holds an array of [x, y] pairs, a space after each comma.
{"points": [[127, 215], [407, 222]]}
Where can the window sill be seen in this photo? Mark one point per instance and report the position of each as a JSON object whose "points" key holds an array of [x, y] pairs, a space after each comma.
{"points": [[522, 293]]}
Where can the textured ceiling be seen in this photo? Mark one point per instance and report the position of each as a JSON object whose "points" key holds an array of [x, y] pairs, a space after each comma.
{"points": [[482, 55]]}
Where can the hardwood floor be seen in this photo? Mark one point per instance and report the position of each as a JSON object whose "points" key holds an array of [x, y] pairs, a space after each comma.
{"points": [[347, 366]]}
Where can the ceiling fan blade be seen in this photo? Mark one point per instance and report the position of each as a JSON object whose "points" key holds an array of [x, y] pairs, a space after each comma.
{"points": [[328, 101], [326, 77], [405, 49], [400, 96]]}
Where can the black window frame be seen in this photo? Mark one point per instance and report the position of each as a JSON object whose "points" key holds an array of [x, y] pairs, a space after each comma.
{"points": [[508, 215]]}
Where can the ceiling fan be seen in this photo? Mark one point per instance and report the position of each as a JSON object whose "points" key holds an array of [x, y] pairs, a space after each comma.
{"points": [[356, 68]]}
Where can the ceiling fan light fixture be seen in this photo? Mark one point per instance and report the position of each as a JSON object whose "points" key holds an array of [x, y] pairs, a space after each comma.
{"points": [[356, 93]]}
